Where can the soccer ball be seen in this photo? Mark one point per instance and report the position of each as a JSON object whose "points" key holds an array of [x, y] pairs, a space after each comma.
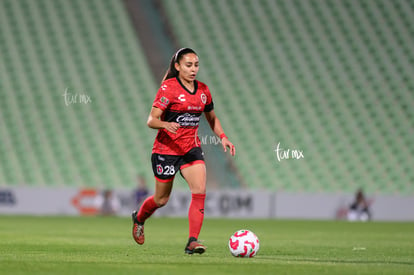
{"points": [[244, 243]]}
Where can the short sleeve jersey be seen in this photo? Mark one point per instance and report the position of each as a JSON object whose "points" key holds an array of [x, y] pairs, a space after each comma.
{"points": [[184, 107]]}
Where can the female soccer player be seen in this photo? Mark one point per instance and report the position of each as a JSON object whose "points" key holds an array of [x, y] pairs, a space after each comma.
{"points": [[176, 112]]}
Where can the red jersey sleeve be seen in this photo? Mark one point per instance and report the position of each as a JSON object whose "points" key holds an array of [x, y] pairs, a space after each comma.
{"points": [[209, 101], [162, 99]]}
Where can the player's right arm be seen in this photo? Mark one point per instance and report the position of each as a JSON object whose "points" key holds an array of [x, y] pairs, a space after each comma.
{"points": [[154, 121]]}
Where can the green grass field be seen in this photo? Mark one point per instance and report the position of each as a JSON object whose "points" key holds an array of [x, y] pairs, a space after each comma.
{"points": [[103, 245]]}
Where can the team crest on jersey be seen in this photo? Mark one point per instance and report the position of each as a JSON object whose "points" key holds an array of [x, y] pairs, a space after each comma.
{"points": [[159, 169], [164, 100], [203, 98]]}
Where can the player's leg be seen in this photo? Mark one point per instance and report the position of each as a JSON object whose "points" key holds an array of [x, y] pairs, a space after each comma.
{"points": [[158, 199], [148, 207], [195, 175], [164, 170]]}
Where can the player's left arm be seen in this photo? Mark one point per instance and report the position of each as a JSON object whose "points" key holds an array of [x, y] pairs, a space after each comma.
{"points": [[218, 130]]}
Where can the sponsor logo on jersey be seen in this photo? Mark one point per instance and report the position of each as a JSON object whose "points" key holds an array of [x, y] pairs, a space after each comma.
{"points": [[161, 158], [203, 98], [188, 120], [198, 108], [164, 87], [181, 97]]}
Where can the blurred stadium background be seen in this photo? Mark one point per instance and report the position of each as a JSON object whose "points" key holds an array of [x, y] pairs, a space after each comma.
{"points": [[332, 79]]}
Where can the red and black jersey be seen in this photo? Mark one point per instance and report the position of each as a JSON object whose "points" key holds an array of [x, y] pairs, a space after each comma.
{"points": [[184, 107]]}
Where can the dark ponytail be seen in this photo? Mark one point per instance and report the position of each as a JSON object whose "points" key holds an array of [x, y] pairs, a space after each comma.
{"points": [[172, 72]]}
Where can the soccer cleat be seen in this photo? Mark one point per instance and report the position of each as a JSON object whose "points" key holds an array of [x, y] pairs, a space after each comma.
{"points": [[137, 229], [194, 246]]}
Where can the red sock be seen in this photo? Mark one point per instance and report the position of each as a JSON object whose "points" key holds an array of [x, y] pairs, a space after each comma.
{"points": [[196, 214], [147, 208]]}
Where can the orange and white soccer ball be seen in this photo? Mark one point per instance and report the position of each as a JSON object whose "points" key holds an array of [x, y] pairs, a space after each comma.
{"points": [[244, 243]]}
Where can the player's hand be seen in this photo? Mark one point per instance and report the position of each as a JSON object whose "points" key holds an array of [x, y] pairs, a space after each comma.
{"points": [[226, 143], [172, 127]]}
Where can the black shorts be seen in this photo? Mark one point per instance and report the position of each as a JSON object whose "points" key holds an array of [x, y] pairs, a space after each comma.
{"points": [[166, 166]]}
